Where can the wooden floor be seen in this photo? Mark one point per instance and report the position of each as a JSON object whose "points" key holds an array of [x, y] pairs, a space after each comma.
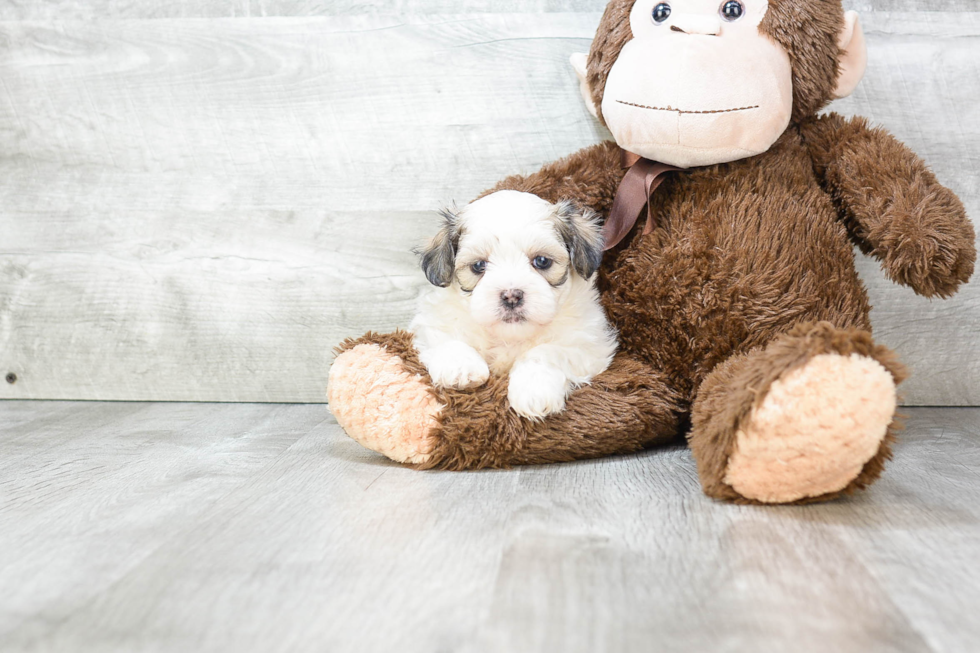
{"points": [[201, 527]]}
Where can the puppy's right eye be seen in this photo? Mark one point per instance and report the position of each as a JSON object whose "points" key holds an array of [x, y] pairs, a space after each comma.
{"points": [[479, 267], [542, 263]]}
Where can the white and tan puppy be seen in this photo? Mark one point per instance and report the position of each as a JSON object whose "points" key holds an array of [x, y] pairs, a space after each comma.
{"points": [[515, 295]]}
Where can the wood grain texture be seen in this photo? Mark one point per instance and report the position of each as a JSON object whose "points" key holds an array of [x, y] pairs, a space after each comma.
{"points": [[142, 9], [199, 209], [103, 9], [170, 527]]}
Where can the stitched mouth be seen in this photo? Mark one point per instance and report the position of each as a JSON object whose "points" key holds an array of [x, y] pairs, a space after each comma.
{"points": [[684, 112]]}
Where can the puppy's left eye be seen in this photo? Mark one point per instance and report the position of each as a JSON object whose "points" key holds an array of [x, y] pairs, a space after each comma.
{"points": [[541, 262], [479, 267]]}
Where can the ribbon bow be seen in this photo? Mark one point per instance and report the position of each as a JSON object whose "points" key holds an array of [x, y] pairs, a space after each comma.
{"points": [[644, 177]]}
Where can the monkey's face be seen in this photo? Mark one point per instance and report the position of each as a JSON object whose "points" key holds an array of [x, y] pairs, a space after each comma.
{"points": [[699, 83]]}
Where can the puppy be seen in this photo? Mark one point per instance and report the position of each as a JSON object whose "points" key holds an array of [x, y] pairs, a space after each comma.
{"points": [[515, 295]]}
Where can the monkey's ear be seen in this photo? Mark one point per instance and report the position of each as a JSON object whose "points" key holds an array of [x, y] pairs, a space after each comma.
{"points": [[580, 62], [439, 256], [853, 55], [579, 228]]}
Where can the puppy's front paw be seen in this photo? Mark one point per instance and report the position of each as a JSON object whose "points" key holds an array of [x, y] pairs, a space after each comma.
{"points": [[536, 390], [455, 365]]}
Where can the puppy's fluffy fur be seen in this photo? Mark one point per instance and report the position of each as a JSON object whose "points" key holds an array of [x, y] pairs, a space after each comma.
{"points": [[515, 295]]}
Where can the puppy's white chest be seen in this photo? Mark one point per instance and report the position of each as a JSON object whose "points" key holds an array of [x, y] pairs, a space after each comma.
{"points": [[501, 358]]}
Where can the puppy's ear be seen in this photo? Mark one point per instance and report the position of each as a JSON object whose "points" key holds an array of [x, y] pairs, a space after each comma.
{"points": [[439, 256], [579, 228]]}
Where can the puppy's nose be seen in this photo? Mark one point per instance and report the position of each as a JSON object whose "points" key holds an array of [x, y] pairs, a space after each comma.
{"points": [[513, 298]]}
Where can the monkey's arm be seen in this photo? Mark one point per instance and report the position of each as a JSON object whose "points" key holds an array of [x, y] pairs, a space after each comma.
{"points": [[589, 177], [892, 205]]}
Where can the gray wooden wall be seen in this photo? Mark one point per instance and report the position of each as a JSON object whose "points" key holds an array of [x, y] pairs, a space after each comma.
{"points": [[199, 199]]}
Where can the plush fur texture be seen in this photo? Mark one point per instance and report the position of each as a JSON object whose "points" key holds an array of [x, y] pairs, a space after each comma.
{"points": [[748, 277], [740, 385], [815, 430], [892, 205], [475, 429], [396, 415]]}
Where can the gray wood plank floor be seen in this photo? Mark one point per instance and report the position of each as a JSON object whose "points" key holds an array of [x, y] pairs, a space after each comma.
{"points": [[201, 527]]}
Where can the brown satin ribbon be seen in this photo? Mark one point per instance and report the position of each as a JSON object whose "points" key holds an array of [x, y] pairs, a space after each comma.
{"points": [[644, 177]]}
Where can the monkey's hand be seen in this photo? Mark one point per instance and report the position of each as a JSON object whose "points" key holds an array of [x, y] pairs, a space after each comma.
{"points": [[893, 206], [924, 240]]}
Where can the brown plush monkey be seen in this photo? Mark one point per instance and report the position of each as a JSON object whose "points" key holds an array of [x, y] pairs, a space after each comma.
{"points": [[742, 320]]}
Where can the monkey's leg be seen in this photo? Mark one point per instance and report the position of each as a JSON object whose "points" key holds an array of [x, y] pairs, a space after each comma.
{"points": [[807, 418], [382, 396]]}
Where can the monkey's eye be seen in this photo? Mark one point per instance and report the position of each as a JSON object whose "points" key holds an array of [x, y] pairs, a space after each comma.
{"points": [[541, 263], [479, 267], [732, 10], [661, 13]]}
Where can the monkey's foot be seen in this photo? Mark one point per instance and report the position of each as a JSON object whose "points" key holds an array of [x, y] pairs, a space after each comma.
{"points": [[815, 430], [382, 405]]}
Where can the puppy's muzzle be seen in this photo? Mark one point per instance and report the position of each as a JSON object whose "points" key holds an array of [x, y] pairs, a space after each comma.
{"points": [[512, 299], [512, 306]]}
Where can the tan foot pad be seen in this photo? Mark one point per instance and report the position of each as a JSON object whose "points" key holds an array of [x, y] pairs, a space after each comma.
{"points": [[815, 430], [381, 405]]}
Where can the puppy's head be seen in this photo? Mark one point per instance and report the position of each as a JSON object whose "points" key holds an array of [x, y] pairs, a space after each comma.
{"points": [[515, 257]]}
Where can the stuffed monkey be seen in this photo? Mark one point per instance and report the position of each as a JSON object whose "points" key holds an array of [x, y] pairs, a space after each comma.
{"points": [[743, 324]]}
